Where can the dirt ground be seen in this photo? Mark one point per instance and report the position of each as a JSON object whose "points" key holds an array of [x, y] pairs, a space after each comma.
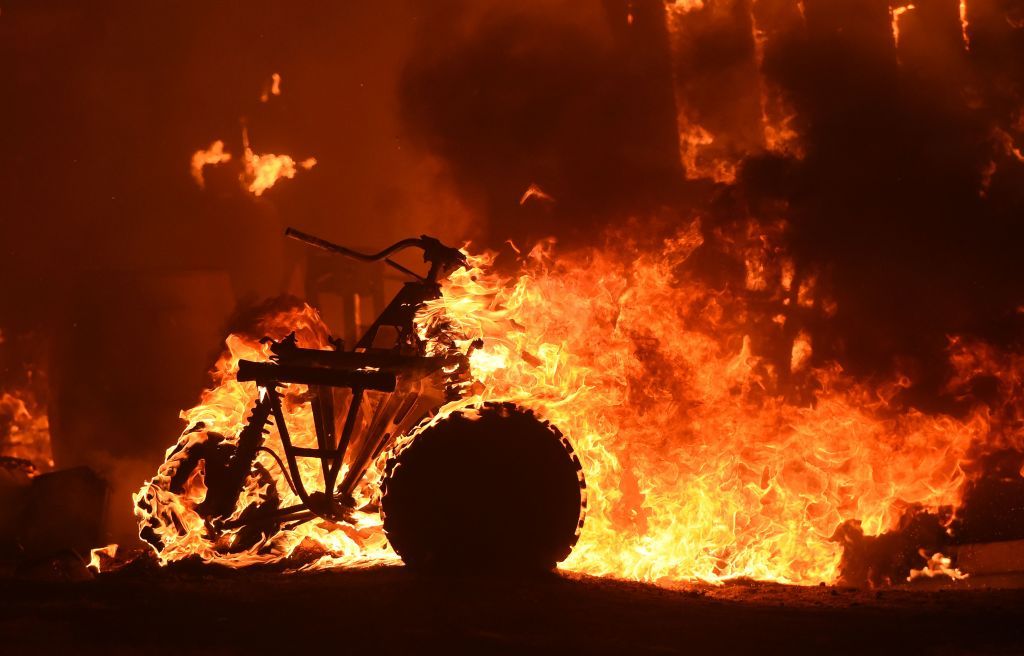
{"points": [[389, 609]]}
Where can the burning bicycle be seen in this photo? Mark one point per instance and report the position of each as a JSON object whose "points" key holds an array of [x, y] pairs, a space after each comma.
{"points": [[489, 484]]}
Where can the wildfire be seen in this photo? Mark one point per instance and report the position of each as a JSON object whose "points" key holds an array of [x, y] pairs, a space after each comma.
{"points": [[202, 158], [697, 466], [684, 6], [272, 88], [714, 138], [896, 13], [25, 430], [937, 565], [693, 139], [701, 461], [260, 171], [964, 24], [535, 192], [263, 171], [776, 114]]}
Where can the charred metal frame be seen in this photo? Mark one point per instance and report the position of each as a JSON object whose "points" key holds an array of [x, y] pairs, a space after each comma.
{"points": [[396, 370]]}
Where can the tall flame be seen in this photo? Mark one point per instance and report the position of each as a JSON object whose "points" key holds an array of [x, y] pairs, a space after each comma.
{"points": [[698, 465], [964, 24], [706, 458], [896, 13]]}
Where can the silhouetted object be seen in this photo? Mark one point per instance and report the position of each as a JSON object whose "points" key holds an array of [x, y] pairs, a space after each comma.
{"points": [[15, 481], [544, 514], [993, 507], [46, 515], [494, 487], [886, 559]]}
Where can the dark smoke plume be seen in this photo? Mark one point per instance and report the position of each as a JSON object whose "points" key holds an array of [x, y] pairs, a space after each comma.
{"points": [[908, 197]]}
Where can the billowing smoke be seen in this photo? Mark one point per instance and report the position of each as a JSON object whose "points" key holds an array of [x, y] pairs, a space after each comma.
{"points": [[901, 187]]}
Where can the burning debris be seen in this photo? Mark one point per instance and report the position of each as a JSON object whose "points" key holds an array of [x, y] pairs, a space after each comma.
{"points": [[668, 389], [937, 565], [260, 171], [272, 88], [25, 430], [897, 15], [263, 171], [208, 157], [215, 496], [734, 380]]}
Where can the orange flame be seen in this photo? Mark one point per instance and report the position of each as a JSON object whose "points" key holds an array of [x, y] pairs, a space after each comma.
{"points": [[222, 411], [101, 555], [964, 25], [535, 192], [701, 462], [263, 171], [207, 157], [684, 6], [937, 565], [697, 466], [272, 87], [776, 115], [25, 429], [895, 14]]}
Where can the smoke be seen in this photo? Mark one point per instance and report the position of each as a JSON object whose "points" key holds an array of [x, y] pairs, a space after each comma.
{"points": [[548, 94], [904, 195], [436, 118]]}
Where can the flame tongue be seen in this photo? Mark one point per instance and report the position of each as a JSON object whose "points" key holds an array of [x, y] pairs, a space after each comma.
{"points": [[705, 457], [697, 465]]}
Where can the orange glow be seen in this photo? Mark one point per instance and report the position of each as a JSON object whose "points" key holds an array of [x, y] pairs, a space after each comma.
{"points": [[684, 6], [210, 156], [801, 352], [964, 24], [25, 430], [262, 171], [535, 192], [272, 88], [714, 140], [1005, 146], [97, 557], [733, 481], [896, 13], [937, 565], [259, 171], [698, 464], [693, 140], [776, 115], [223, 410]]}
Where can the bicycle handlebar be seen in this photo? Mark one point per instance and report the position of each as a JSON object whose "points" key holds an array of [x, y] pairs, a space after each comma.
{"points": [[434, 252]]}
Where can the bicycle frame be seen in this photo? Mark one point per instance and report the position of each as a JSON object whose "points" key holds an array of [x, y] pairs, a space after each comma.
{"points": [[413, 382]]}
